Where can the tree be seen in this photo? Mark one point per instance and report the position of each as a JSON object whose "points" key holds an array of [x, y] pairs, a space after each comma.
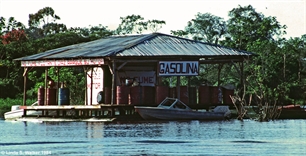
{"points": [[252, 31], [136, 24], [44, 23], [130, 24], [294, 70], [205, 27], [11, 24], [155, 25], [12, 39], [97, 32], [246, 26], [42, 17], [11, 74], [14, 35], [11, 30]]}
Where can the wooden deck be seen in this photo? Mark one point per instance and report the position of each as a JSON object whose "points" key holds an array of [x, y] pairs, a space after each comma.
{"points": [[80, 111], [108, 112]]}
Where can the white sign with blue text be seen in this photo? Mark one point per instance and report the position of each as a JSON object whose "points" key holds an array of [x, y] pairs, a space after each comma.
{"points": [[178, 68]]}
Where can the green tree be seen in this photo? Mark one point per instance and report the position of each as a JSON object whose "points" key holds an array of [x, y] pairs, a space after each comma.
{"points": [[44, 23], [136, 24], [205, 27], [294, 52], [131, 24], [10, 25], [11, 46], [246, 26], [11, 81], [97, 32], [42, 17], [252, 31], [155, 25]]}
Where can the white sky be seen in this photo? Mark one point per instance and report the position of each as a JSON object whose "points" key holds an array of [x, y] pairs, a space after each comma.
{"points": [[176, 13]]}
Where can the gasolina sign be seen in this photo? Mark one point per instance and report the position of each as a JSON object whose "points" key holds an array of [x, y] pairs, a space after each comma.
{"points": [[178, 68]]}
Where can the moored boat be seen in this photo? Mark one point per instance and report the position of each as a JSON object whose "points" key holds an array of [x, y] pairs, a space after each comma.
{"points": [[292, 112], [16, 112], [174, 109]]}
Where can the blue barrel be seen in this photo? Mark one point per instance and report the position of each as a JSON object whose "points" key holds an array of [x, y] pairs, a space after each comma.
{"points": [[63, 96]]}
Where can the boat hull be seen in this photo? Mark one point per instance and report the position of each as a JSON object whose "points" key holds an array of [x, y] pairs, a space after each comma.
{"points": [[156, 113], [15, 114], [292, 112]]}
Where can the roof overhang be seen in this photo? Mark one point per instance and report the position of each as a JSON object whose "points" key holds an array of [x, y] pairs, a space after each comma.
{"points": [[63, 62]]}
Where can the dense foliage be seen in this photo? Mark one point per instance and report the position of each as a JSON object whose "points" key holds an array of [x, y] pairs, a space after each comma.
{"points": [[276, 75]]}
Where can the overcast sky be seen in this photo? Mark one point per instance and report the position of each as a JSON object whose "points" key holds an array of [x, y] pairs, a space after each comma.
{"points": [[176, 13]]}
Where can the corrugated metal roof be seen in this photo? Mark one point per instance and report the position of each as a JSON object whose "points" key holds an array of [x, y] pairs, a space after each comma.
{"points": [[155, 44]]}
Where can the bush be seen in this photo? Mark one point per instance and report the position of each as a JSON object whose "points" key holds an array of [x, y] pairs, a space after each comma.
{"points": [[5, 104]]}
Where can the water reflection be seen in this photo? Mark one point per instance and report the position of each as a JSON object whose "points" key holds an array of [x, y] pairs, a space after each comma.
{"points": [[154, 129], [133, 130], [95, 129], [283, 137]]}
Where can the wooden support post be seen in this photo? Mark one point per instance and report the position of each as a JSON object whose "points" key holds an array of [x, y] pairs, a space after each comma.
{"points": [[58, 83], [46, 86], [121, 111], [219, 72], [188, 91], [159, 80], [77, 113], [178, 89], [25, 77], [24, 113], [91, 85], [242, 81], [114, 83], [86, 96]]}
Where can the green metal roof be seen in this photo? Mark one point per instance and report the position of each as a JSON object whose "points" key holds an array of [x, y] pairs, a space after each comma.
{"points": [[147, 45]]}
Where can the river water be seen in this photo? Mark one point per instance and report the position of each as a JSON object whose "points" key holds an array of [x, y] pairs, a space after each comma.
{"points": [[280, 137]]}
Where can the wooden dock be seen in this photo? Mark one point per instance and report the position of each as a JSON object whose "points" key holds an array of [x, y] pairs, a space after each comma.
{"points": [[101, 112], [80, 111]]}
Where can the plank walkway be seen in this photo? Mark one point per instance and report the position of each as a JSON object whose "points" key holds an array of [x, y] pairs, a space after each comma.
{"points": [[79, 111]]}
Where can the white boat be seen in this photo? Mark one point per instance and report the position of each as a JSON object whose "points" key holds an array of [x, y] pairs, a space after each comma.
{"points": [[174, 109], [16, 112]]}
